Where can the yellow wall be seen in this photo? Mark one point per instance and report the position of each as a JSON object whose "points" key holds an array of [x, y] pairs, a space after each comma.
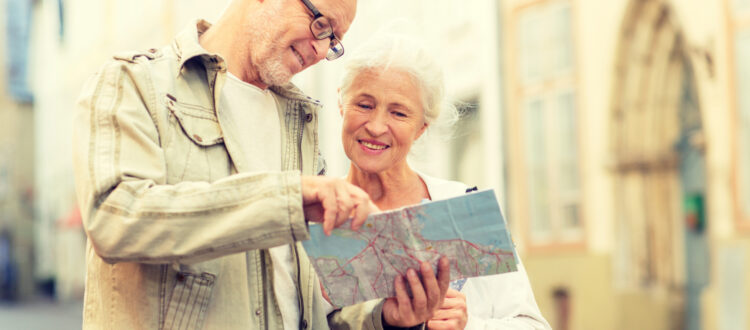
{"points": [[645, 310], [588, 280], [720, 308], [595, 303]]}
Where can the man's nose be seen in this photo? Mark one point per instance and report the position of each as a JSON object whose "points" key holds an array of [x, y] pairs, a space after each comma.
{"points": [[321, 48]]}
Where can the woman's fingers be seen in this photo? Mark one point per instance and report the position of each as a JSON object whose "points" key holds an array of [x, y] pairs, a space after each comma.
{"points": [[435, 293], [419, 298], [404, 302], [444, 276], [443, 325], [444, 314], [454, 299]]}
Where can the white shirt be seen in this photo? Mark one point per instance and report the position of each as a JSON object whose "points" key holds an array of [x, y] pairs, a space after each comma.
{"points": [[502, 301], [255, 113]]}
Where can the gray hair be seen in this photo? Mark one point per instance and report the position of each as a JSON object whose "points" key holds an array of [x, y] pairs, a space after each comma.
{"points": [[408, 55]]}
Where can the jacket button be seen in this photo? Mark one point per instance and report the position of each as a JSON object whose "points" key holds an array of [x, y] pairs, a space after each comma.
{"points": [[304, 324], [197, 138], [308, 117], [257, 311]]}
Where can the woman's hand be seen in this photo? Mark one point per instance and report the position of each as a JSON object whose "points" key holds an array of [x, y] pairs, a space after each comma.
{"points": [[452, 314], [427, 296]]}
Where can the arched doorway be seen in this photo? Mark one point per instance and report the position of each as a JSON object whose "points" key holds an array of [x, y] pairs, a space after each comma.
{"points": [[658, 168]]}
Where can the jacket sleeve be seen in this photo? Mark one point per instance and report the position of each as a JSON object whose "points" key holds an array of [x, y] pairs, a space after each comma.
{"points": [[131, 214], [366, 315], [503, 301]]}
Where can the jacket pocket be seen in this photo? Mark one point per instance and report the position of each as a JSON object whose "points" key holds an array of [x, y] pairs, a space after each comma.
{"points": [[189, 301], [199, 124], [194, 150]]}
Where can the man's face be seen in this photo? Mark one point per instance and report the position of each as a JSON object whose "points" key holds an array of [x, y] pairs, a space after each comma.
{"points": [[284, 44]]}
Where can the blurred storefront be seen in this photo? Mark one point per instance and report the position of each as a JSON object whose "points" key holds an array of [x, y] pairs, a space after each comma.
{"points": [[627, 134], [16, 153], [52, 47], [617, 133]]}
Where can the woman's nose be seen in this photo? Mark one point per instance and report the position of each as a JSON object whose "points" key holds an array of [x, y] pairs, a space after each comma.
{"points": [[377, 124]]}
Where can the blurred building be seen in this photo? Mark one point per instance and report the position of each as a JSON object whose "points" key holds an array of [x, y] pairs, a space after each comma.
{"points": [[16, 156], [627, 138], [617, 133], [50, 47]]}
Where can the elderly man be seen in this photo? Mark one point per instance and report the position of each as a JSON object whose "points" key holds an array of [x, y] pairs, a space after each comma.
{"points": [[196, 173]]}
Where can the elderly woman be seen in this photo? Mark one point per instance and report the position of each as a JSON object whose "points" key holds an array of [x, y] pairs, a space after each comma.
{"points": [[390, 94]]}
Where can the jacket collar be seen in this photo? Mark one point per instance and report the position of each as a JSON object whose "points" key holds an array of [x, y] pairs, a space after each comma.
{"points": [[187, 47]]}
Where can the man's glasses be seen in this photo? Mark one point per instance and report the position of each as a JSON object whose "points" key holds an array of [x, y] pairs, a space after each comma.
{"points": [[321, 29]]}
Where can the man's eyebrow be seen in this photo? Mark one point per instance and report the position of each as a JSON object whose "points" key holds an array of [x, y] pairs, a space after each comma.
{"points": [[334, 25], [333, 21]]}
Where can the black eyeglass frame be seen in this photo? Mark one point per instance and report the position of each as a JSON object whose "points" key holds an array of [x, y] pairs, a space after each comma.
{"points": [[332, 54]]}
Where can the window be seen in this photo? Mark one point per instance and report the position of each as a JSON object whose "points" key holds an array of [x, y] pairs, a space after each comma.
{"points": [[546, 89], [742, 44], [548, 110], [545, 43], [742, 78], [741, 6], [467, 147]]}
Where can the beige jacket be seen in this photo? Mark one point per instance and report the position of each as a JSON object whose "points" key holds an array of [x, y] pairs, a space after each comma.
{"points": [[176, 238]]}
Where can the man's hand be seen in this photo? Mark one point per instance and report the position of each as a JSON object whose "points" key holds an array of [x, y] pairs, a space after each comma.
{"points": [[427, 296], [332, 201], [452, 315]]}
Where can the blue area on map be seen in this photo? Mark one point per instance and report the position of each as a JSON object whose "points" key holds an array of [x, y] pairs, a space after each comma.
{"points": [[474, 219], [333, 245], [458, 284]]}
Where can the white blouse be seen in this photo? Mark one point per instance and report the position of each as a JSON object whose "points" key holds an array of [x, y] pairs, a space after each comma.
{"points": [[502, 301]]}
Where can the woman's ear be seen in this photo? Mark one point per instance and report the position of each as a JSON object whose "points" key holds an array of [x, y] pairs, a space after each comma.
{"points": [[421, 131], [341, 105]]}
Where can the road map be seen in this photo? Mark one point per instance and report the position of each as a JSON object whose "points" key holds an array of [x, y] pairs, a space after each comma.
{"points": [[356, 266]]}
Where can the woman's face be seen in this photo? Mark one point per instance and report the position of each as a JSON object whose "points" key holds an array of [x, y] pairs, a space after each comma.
{"points": [[383, 116]]}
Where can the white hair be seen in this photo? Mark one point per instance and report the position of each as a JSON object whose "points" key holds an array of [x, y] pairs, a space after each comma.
{"points": [[402, 53]]}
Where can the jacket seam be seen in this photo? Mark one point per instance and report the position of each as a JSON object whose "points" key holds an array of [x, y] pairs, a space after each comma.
{"points": [[151, 102], [123, 210], [227, 246], [162, 294]]}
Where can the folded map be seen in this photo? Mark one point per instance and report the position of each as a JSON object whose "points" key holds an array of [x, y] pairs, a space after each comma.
{"points": [[356, 266]]}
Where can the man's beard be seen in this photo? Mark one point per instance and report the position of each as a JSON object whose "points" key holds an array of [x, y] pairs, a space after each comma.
{"points": [[271, 68], [273, 72]]}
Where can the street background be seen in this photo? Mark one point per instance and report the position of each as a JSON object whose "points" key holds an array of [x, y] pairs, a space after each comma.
{"points": [[617, 134]]}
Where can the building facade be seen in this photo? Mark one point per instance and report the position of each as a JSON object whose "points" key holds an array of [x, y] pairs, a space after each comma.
{"points": [[617, 134], [627, 128]]}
